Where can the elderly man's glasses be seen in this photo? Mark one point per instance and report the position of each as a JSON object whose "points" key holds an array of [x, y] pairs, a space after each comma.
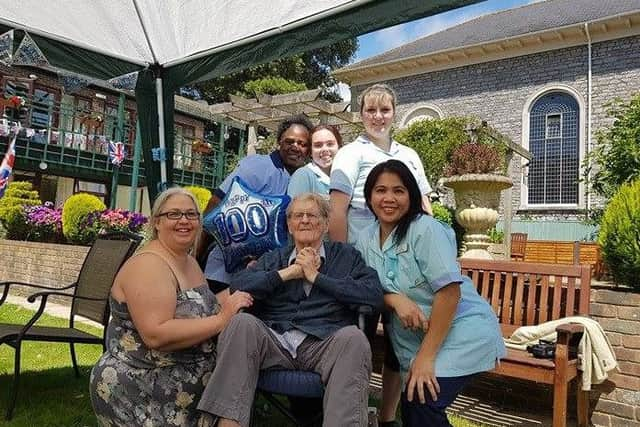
{"points": [[176, 215], [299, 216]]}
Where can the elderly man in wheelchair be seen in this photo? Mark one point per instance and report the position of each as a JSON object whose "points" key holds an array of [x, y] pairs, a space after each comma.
{"points": [[306, 297]]}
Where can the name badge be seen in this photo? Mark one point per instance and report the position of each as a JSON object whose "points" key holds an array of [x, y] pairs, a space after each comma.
{"points": [[402, 248], [419, 283]]}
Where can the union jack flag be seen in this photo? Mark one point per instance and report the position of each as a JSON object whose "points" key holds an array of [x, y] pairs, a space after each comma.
{"points": [[7, 165], [117, 152]]}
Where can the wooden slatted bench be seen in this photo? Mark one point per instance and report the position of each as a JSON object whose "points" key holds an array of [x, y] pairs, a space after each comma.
{"points": [[523, 293]]}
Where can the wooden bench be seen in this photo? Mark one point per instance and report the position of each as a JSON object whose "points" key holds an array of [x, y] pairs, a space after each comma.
{"points": [[565, 252], [523, 293]]}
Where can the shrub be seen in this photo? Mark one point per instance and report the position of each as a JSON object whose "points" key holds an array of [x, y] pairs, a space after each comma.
{"points": [[75, 210], [12, 215], [201, 194], [110, 221], [441, 213], [434, 141], [619, 235], [475, 158], [496, 236], [615, 158], [44, 223]]}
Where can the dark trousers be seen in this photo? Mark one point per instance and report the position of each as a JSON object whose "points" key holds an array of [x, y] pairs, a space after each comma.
{"points": [[432, 414], [370, 326]]}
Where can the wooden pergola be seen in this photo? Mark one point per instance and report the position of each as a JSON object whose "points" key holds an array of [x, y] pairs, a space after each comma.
{"points": [[269, 110]]}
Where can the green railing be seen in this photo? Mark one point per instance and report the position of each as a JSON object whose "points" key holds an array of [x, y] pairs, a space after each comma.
{"points": [[66, 140]]}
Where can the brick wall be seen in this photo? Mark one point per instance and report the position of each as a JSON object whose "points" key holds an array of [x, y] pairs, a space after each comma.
{"points": [[40, 263], [617, 403]]}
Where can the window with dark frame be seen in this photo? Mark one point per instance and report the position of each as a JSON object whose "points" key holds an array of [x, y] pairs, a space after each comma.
{"points": [[554, 143]]}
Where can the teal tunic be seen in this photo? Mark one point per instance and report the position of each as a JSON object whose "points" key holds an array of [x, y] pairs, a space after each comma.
{"points": [[308, 179], [423, 263]]}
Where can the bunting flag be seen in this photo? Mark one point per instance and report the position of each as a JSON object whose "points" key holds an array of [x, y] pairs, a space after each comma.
{"points": [[126, 81], [7, 165], [6, 47], [29, 53], [117, 153], [73, 82]]}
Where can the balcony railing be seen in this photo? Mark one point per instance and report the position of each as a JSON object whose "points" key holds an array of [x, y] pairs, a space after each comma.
{"points": [[70, 141]]}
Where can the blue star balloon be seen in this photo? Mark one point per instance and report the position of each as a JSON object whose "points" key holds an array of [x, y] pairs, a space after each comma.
{"points": [[247, 224]]}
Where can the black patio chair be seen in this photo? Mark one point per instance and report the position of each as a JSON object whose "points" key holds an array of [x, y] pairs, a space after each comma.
{"points": [[89, 299]]}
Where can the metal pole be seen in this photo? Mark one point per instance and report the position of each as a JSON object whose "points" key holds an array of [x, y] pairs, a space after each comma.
{"points": [[508, 208], [161, 140], [137, 151], [243, 144], [220, 167], [119, 138]]}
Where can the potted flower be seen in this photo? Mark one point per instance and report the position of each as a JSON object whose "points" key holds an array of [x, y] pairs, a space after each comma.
{"points": [[476, 174], [202, 147], [92, 120], [109, 221], [15, 104], [45, 223], [16, 101]]}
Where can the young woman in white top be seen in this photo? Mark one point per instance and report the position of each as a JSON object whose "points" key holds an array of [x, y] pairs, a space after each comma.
{"points": [[349, 212]]}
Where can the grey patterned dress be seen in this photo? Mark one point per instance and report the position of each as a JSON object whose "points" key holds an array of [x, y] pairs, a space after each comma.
{"points": [[133, 385]]}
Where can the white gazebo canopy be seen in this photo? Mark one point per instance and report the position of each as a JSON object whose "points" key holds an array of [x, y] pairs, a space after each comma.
{"points": [[171, 43]]}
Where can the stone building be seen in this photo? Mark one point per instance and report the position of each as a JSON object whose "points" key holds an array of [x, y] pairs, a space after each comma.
{"points": [[542, 74]]}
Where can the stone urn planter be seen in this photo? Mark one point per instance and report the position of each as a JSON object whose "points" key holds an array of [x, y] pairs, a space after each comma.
{"points": [[477, 201]]}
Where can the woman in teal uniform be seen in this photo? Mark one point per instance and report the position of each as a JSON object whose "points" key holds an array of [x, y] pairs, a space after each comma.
{"points": [[441, 330]]}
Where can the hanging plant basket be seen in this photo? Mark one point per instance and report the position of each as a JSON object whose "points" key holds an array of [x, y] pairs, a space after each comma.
{"points": [[201, 147]]}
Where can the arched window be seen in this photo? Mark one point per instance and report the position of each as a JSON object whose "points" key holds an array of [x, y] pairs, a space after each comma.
{"points": [[554, 144], [421, 113]]}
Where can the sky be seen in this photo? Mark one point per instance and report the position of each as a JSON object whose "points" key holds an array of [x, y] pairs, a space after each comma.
{"points": [[383, 40], [377, 42]]}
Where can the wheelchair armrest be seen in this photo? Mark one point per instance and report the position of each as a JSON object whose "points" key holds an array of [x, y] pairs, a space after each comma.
{"points": [[363, 311]]}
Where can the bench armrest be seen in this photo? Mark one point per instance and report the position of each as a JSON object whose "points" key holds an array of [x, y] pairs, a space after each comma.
{"points": [[569, 335], [570, 329]]}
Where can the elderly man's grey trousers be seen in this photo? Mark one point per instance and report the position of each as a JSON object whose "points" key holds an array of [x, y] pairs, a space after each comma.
{"points": [[246, 346]]}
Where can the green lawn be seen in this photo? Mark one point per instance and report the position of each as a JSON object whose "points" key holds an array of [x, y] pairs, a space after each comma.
{"points": [[51, 395]]}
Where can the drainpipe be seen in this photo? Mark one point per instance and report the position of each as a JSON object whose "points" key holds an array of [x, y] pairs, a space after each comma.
{"points": [[586, 30]]}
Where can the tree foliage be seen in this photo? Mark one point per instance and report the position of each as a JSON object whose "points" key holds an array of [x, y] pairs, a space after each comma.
{"points": [[271, 86], [615, 158], [312, 69]]}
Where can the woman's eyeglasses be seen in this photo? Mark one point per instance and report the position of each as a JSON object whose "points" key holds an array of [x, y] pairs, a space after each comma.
{"points": [[176, 215]]}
